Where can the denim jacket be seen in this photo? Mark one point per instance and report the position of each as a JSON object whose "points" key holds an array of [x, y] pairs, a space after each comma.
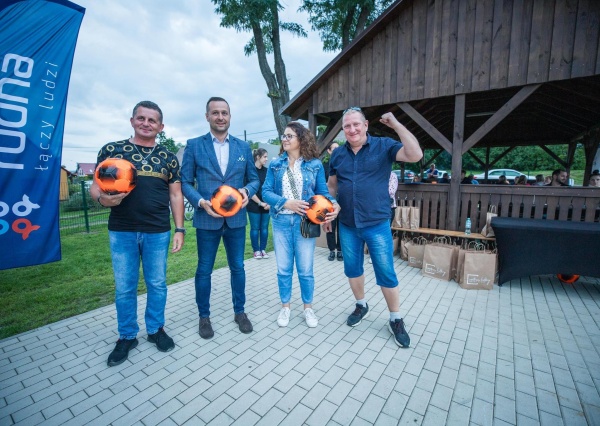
{"points": [[313, 182]]}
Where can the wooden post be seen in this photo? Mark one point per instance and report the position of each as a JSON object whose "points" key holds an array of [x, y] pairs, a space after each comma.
{"points": [[457, 148]]}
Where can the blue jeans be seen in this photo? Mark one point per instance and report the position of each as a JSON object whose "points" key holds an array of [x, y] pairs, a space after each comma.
{"points": [[259, 230], [127, 249], [290, 245], [234, 240], [381, 249]]}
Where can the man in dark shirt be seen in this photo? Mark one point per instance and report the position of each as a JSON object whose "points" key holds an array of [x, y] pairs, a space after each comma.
{"points": [[559, 178], [359, 174], [139, 229]]}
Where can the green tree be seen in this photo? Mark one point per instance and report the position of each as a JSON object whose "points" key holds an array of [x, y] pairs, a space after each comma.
{"points": [[168, 143], [261, 17], [338, 22]]}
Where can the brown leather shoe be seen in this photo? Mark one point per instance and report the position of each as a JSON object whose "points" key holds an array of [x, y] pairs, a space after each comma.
{"points": [[243, 322], [206, 331]]}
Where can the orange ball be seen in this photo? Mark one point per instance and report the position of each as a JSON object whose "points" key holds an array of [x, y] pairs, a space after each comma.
{"points": [[567, 278], [318, 207], [226, 200], [116, 175]]}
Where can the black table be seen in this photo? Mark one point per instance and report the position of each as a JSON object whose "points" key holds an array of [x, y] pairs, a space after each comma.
{"points": [[535, 247]]}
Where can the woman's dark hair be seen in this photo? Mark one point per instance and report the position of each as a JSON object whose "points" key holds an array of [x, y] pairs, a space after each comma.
{"points": [[258, 153], [308, 144]]}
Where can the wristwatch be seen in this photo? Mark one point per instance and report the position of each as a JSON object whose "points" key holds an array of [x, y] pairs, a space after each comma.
{"points": [[182, 230]]}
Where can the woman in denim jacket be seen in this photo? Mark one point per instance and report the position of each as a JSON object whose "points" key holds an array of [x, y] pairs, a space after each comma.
{"points": [[291, 180]]}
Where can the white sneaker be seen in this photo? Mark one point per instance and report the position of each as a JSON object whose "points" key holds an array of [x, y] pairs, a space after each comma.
{"points": [[264, 254], [311, 319], [284, 317], [258, 255]]}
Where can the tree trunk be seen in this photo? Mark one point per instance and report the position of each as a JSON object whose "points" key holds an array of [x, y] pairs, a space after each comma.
{"points": [[280, 75], [347, 27], [362, 20], [269, 77]]}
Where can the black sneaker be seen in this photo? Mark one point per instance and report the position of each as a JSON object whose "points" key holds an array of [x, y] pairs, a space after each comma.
{"points": [[340, 256], [163, 342], [400, 335], [331, 256], [243, 322], [357, 316], [121, 351], [206, 331]]}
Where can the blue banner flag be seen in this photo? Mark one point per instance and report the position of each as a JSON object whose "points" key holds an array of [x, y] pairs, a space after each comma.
{"points": [[37, 43]]}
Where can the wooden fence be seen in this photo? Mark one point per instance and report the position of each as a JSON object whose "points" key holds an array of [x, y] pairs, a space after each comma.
{"points": [[535, 202]]}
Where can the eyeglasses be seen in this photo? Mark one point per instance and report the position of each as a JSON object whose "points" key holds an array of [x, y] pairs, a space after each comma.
{"points": [[287, 137], [352, 109]]}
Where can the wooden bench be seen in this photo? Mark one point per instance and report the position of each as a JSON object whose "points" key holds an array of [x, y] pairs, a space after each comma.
{"points": [[455, 234]]}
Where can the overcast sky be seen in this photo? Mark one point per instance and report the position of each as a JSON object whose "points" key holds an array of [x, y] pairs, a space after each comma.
{"points": [[177, 55]]}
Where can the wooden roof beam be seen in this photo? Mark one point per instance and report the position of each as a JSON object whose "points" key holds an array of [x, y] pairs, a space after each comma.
{"points": [[427, 126], [499, 115], [329, 134]]}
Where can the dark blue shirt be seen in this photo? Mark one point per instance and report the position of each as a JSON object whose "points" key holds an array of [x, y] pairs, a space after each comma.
{"points": [[363, 180]]}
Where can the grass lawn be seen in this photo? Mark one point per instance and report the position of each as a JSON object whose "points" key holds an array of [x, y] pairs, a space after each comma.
{"points": [[82, 281]]}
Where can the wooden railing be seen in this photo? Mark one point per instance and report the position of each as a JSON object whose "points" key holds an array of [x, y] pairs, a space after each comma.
{"points": [[535, 202]]}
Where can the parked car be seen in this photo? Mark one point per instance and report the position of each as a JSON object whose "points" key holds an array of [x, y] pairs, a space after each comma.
{"points": [[408, 176], [510, 174]]}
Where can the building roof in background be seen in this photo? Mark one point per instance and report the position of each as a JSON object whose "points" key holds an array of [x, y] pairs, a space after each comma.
{"points": [[86, 168]]}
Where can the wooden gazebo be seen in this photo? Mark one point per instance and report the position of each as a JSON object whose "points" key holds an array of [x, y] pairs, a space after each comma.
{"points": [[474, 73]]}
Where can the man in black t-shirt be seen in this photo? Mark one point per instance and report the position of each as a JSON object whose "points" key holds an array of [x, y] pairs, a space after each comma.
{"points": [[140, 229]]}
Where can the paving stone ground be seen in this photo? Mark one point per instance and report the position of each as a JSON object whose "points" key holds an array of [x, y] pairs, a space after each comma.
{"points": [[524, 353]]}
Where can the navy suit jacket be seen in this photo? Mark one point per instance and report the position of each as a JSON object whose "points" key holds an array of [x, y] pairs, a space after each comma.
{"points": [[201, 175]]}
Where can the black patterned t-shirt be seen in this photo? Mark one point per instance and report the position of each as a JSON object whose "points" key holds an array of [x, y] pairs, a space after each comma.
{"points": [[146, 208]]}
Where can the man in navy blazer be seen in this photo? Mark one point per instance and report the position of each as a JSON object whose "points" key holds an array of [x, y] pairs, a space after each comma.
{"points": [[210, 161]]}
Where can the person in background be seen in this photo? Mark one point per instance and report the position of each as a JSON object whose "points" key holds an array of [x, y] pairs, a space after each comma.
{"points": [[547, 180], [445, 178], [291, 181], [503, 181], [358, 174], [139, 229], [473, 180], [393, 187], [333, 237], [539, 180], [258, 211], [432, 172], [559, 178], [595, 179], [521, 180], [210, 161], [464, 180]]}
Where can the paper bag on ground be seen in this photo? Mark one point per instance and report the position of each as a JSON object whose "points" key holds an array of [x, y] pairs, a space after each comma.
{"points": [[460, 258], [416, 249], [479, 270], [404, 248], [439, 261]]}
